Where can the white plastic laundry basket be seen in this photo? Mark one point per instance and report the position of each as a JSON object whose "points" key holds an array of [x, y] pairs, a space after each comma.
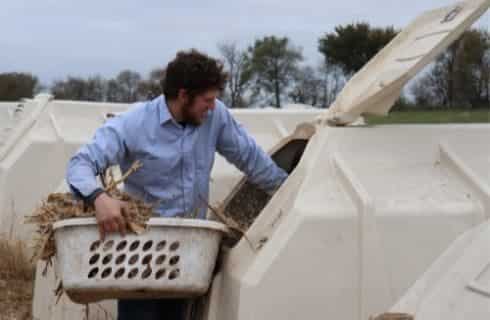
{"points": [[173, 258]]}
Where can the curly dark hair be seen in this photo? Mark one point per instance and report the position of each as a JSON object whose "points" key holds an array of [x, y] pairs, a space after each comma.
{"points": [[193, 71]]}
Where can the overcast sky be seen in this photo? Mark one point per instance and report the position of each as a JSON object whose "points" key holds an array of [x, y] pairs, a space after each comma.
{"points": [[56, 38]]}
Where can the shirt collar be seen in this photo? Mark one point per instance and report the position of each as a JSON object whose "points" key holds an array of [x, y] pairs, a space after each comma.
{"points": [[163, 112]]}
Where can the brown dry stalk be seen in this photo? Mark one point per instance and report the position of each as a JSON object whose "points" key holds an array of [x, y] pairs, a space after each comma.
{"points": [[114, 183], [60, 206], [16, 280], [14, 261], [228, 221]]}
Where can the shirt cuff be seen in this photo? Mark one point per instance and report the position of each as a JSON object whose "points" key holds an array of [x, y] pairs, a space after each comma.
{"points": [[271, 191], [89, 199]]}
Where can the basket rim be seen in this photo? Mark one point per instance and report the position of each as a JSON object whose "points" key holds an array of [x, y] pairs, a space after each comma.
{"points": [[156, 221]]}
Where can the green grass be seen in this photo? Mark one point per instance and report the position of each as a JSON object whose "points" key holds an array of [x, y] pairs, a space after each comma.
{"points": [[439, 116]]}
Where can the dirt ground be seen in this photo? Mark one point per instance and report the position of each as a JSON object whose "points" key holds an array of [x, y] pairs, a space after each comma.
{"points": [[16, 281]]}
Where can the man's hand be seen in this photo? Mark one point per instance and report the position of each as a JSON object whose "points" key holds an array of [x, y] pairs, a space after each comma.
{"points": [[109, 215]]}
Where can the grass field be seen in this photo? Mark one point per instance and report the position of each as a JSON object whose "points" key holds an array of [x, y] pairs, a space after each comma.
{"points": [[16, 281], [440, 116]]}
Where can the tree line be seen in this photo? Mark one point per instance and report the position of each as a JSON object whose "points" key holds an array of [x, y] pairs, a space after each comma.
{"points": [[272, 71]]}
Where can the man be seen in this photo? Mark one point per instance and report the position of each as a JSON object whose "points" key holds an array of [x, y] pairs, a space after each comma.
{"points": [[175, 136]]}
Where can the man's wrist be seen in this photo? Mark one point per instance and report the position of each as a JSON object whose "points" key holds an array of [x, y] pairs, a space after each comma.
{"points": [[93, 196]]}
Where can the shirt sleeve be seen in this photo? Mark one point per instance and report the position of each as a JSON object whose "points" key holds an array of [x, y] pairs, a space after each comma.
{"points": [[239, 148], [107, 148]]}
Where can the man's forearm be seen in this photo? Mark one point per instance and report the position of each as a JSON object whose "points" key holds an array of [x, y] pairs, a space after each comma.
{"points": [[81, 176], [106, 149], [278, 178]]}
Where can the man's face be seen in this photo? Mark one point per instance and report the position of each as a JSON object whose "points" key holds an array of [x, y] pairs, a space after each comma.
{"points": [[194, 112]]}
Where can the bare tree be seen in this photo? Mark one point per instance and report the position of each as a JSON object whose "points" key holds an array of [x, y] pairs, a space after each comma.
{"points": [[95, 88], [152, 86], [459, 76], [307, 87], [114, 91], [332, 81], [128, 82], [239, 75], [485, 77], [73, 88]]}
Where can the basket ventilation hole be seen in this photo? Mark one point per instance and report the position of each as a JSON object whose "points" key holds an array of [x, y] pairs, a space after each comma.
{"points": [[107, 259], [174, 246], [147, 259], [174, 274], [119, 273], [161, 259], [93, 273], [106, 273], [94, 259], [108, 245], [95, 245], [121, 245], [147, 245], [133, 273], [120, 259], [134, 245], [146, 273], [160, 273], [133, 259], [161, 245], [174, 260]]}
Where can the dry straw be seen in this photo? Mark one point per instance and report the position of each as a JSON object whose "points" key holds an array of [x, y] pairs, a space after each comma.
{"points": [[60, 206]]}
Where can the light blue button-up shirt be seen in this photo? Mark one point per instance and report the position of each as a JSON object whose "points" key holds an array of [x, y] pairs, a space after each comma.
{"points": [[177, 160]]}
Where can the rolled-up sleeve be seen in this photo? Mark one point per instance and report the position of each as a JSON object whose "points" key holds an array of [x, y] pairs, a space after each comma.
{"points": [[239, 148], [107, 148]]}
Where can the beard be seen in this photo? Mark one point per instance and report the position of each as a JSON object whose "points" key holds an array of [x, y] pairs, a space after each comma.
{"points": [[190, 117]]}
